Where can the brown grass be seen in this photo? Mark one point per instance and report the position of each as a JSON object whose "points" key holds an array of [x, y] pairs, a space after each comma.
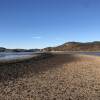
{"points": [[60, 77]]}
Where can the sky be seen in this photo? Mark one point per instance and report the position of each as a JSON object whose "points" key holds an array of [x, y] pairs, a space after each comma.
{"points": [[44, 23]]}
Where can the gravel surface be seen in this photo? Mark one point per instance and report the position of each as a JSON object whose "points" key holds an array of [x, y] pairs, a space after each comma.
{"points": [[60, 77]]}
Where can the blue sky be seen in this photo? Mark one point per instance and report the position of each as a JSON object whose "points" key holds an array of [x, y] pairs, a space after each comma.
{"points": [[42, 23]]}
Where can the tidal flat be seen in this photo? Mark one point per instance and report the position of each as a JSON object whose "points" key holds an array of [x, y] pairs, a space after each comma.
{"points": [[55, 77]]}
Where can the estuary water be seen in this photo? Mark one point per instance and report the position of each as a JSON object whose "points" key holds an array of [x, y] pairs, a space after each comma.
{"points": [[9, 56], [6, 56], [91, 53]]}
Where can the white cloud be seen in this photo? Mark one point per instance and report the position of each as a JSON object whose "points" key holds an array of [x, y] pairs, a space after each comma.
{"points": [[36, 37]]}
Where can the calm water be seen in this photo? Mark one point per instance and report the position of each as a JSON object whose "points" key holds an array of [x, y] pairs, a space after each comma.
{"points": [[13, 56], [91, 53], [23, 55]]}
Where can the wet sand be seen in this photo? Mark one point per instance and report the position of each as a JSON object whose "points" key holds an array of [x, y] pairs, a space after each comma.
{"points": [[58, 77]]}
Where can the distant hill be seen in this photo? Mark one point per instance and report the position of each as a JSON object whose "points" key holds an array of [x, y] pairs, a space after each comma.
{"points": [[2, 49], [76, 46]]}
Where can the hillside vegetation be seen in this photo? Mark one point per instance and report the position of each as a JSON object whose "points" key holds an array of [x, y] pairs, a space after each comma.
{"points": [[76, 46]]}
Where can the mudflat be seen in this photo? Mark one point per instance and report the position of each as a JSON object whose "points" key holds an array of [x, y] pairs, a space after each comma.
{"points": [[58, 77]]}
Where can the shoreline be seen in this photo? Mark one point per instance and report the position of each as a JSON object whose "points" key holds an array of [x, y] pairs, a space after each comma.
{"points": [[34, 57], [56, 77]]}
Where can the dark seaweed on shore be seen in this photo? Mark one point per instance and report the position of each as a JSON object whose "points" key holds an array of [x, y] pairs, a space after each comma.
{"points": [[15, 69]]}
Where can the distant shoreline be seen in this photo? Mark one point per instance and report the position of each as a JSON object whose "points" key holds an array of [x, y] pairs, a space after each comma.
{"points": [[46, 54]]}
